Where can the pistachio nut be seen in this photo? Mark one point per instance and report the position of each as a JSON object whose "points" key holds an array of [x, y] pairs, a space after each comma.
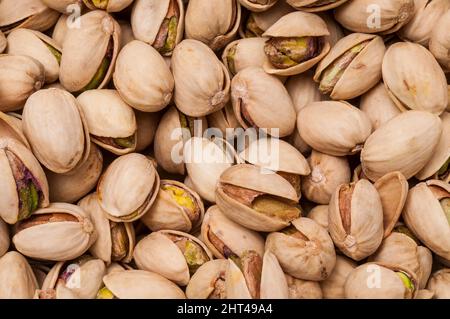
{"points": [[55, 110], [315, 5], [147, 123], [253, 107], [425, 265], [21, 76], [355, 219], [58, 232], [31, 14], [60, 30], [208, 282], [159, 23], [176, 207], [142, 78], [223, 119], [172, 254], [213, 22], [333, 286], [339, 139], [414, 79], [3, 42], [389, 148], [432, 228], [257, 200], [90, 52], [126, 33], [304, 250], [227, 239], [11, 127], [440, 284], [107, 5], [4, 238], [296, 140], [375, 16], [17, 280], [303, 90], [297, 42], [258, 5], [23, 182], [71, 186], [327, 173], [63, 6], [439, 42], [202, 82], [320, 215], [111, 122], [303, 289], [354, 57], [138, 284], [378, 106], [244, 53], [392, 282], [128, 187]]}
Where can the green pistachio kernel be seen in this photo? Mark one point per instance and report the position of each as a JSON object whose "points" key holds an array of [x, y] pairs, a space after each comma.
{"points": [[195, 256], [230, 59], [169, 45], [29, 199], [100, 4], [444, 167], [445, 203], [125, 142], [407, 282], [273, 207], [105, 293], [55, 52]]}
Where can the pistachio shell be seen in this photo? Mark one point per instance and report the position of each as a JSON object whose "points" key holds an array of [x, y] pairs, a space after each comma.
{"points": [[258, 5], [439, 42], [303, 90], [244, 53], [235, 285], [11, 127], [147, 124], [425, 265], [273, 280], [2, 42], [440, 284], [60, 30], [62, 6], [333, 286], [208, 281], [4, 238], [303, 289], [112, 5], [16, 277], [315, 5], [224, 119], [320, 215]]}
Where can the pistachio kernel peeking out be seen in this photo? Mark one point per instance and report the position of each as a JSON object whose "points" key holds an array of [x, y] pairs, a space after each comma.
{"points": [[219, 287], [118, 142], [220, 245], [57, 54], [41, 219], [402, 229], [445, 203], [408, 283], [105, 293], [185, 200], [293, 179], [99, 4], [250, 264], [187, 123], [293, 232], [444, 171], [345, 204], [194, 254], [119, 241], [251, 28], [230, 58], [167, 35]]}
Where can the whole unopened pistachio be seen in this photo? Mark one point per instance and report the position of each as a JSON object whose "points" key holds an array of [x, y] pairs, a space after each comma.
{"points": [[296, 43], [304, 250], [258, 5], [202, 82], [55, 110], [355, 219], [59, 232], [21, 76], [390, 149], [11, 127], [338, 139], [327, 173], [426, 265], [208, 282], [244, 53], [147, 123], [214, 22], [17, 280], [303, 289], [354, 57], [253, 107], [172, 254], [333, 286], [440, 284], [2, 42], [108, 5], [23, 182], [315, 5], [4, 238], [60, 30], [90, 52], [439, 42], [128, 187], [375, 16], [303, 90], [320, 215], [263, 202]]}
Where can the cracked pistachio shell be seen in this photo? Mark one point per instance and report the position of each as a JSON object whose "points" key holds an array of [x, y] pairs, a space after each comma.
{"points": [[366, 64], [213, 22], [158, 253], [60, 30], [320, 215], [17, 280], [202, 82], [140, 284], [299, 24], [21, 76], [414, 79], [142, 78], [224, 119], [11, 127], [4, 238], [425, 265], [426, 13], [63, 6], [303, 90], [92, 46], [379, 281], [255, 179], [333, 286], [31, 14], [3, 42], [147, 123], [10, 201], [173, 130], [59, 232], [440, 284], [405, 144], [258, 5], [208, 282], [355, 219], [378, 106], [111, 5], [183, 213], [432, 228], [244, 53], [306, 254], [303, 289], [440, 41], [225, 237], [56, 128], [109, 117], [347, 127], [327, 173], [128, 187], [375, 16], [315, 5], [38, 46], [253, 107], [72, 186]]}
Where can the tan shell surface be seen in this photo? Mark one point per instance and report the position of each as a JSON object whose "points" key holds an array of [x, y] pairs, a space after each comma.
{"points": [[333, 286], [201, 284], [440, 41], [440, 284], [16, 276], [248, 52]]}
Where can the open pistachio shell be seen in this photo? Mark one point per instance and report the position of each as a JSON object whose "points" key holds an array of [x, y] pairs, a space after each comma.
{"points": [[111, 122], [147, 123], [258, 5], [108, 5], [11, 127], [425, 265], [244, 53], [60, 30], [128, 187], [439, 42], [4, 238], [224, 119], [299, 26], [305, 250], [16, 277], [3, 42], [333, 286], [339, 139], [303, 90], [235, 285], [90, 52], [389, 148], [59, 232], [320, 215], [303, 289], [315, 5], [440, 284], [63, 6], [208, 282]]}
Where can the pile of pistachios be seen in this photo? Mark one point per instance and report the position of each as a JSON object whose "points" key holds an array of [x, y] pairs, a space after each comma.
{"points": [[224, 149]]}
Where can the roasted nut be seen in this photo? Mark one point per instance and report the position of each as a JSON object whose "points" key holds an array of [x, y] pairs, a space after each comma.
{"points": [[107, 5], [303, 289], [16, 277], [440, 284], [315, 5], [244, 53], [439, 43], [333, 286], [208, 282]]}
